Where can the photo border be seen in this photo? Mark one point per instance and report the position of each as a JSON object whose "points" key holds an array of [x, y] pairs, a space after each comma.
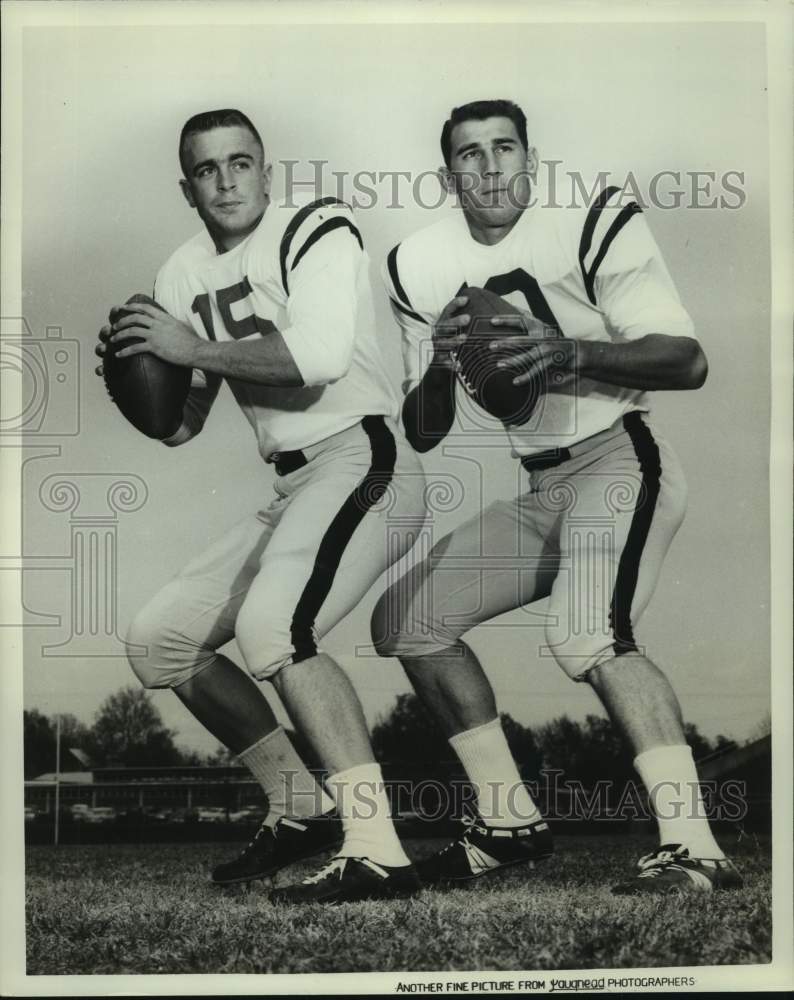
{"points": [[18, 16]]}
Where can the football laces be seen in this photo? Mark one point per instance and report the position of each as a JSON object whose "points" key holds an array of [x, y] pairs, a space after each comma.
{"points": [[463, 379]]}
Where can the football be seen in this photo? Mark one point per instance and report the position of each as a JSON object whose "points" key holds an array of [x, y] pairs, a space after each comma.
{"points": [[491, 387], [150, 392]]}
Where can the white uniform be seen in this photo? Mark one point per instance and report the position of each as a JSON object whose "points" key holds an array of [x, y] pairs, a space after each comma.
{"points": [[605, 495], [349, 493], [304, 271], [593, 274]]}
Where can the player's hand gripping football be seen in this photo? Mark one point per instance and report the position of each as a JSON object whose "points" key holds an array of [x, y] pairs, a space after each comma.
{"points": [[449, 333], [152, 331], [533, 359]]}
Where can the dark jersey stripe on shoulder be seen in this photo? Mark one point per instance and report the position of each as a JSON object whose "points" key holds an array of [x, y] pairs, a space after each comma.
{"points": [[623, 217], [329, 226], [295, 223], [406, 312], [591, 221], [391, 261]]}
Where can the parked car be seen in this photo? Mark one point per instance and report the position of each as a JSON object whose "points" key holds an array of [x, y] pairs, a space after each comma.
{"points": [[183, 815], [145, 814], [79, 810], [211, 814], [30, 814], [248, 814], [100, 814]]}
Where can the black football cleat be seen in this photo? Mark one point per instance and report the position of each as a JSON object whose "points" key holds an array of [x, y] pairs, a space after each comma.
{"points": [[669, 869], [482, 850], [348, 880], [276, 847]]}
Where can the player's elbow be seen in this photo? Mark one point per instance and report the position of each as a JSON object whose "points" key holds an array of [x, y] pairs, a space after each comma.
{"points": [[181, 436], [326, 367], [412, 426], [695, 366], [334, 370], [326, 375], [421, 443]]}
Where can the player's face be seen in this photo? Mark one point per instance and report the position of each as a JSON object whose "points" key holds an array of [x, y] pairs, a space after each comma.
{"points": [[227, 182], [491, 172]]}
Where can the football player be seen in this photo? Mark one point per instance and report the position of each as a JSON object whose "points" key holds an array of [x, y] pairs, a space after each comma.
{"points": [[274, 299], [603, 494]]}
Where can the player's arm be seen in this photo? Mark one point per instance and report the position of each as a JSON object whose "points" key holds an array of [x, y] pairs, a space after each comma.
{"points": [[429, 407], [198, 404], [428, 345], [314, 348], [652, 343], [264, 358], [655, 361]]}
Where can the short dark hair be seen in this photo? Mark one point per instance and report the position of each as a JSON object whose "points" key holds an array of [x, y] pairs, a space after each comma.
{"points": [[479, 111], [205, 121]]}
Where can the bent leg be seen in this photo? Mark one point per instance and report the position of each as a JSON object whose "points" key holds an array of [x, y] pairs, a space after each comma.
{"points": [[342, 526], [184, 624], [489, 565], [628, 507], [229, 704], [640, 701], [181, 629], [453, 686]]}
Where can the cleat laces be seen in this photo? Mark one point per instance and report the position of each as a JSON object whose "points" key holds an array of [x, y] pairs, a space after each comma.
{"points": [[251, 845], [328, 871], [468, 825], [653, 865]]}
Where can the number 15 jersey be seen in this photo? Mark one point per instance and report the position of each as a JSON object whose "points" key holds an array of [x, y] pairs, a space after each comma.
{"points": [[304, 270], [589, 273]]}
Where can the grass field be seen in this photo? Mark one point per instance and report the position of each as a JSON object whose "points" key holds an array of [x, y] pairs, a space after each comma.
{"points": [[150, 909]]}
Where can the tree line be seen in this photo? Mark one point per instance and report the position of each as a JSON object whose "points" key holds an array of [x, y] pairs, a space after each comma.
{"points": [[587, 751], [128, 730]]}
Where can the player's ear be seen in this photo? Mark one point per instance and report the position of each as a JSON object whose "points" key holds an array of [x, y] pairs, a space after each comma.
{"points": [[267, 176], [532, 163], [447, 180], [185, 186]]}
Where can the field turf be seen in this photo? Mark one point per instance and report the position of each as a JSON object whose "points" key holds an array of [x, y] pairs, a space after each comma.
{"points": [[151, 909]]}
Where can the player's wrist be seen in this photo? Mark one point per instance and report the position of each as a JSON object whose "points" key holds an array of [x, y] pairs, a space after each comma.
{"points": [[204, 354], [586, 358], [441, 368]]}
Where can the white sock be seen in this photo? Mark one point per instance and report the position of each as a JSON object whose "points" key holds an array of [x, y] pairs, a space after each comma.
{"points": [[502, 797], [671, 778], [290, 788], [363, 806]]}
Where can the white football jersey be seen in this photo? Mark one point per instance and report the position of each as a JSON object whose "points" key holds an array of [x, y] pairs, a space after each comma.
{"points": [[591, 273], [305, 270]]}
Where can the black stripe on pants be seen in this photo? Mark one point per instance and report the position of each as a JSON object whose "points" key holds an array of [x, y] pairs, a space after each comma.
{"points": [[338, 535], [647, 452]]}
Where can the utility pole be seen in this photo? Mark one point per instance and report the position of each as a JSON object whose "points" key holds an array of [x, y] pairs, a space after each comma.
{"points": [[57, 776]]}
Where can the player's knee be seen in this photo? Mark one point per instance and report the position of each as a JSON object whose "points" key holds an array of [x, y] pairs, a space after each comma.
{"points": [[159, 657], [268, 643], [577, 655], [404, 626], [385, 626]]}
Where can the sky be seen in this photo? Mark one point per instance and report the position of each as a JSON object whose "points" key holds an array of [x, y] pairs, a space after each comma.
{"points": [[101, 208]]}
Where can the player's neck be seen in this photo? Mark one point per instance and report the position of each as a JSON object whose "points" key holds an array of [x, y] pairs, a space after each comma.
{"points": [[224, 242], [490, 235]]}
